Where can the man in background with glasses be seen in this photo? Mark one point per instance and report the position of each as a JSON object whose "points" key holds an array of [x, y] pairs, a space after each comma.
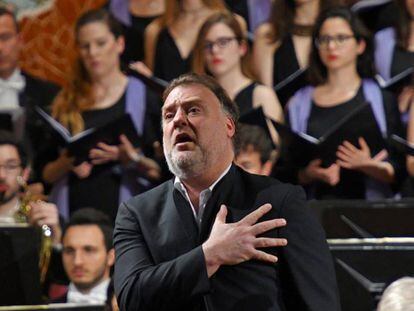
{"points": [[14, 171]]}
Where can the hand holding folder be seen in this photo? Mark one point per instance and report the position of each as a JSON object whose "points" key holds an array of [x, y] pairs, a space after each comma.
{"points": [[359, 122], [79, 145]]}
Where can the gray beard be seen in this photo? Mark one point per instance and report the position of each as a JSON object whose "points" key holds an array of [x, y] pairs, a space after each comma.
{"points": [[187, 167]]}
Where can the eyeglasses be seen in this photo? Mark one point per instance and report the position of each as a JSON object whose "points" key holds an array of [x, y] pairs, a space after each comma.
{"points": [[221, 43], [339, 40], [10, 167]]}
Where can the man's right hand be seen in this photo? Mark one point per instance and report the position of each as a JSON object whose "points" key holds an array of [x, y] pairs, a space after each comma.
{"points": [[234, 243]]}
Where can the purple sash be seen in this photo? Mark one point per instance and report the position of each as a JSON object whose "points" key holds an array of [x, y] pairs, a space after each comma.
{"points": [[259, 11], [119, 9], [130, 182], [384, 49]]}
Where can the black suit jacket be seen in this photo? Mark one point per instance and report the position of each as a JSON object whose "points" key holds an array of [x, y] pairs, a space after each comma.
{"points": [[160, 263], [40, 93]]}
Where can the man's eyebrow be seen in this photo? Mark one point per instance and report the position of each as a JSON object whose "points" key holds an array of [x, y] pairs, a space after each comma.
{"points": [[190, 101]]}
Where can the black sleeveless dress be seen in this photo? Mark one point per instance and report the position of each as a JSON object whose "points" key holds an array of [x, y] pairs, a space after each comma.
{"points": [[168, 62], [244, 98], [134, 38]]}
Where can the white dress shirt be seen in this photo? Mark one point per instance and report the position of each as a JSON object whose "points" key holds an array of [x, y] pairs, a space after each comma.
{"points": [[10, 89], [97, 295], [203, 198]]}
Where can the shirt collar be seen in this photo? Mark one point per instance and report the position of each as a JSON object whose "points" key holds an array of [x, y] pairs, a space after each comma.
{"points": [[97, 294], [204, 195]]}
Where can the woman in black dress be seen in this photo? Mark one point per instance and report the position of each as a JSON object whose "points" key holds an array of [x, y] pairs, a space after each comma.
{"points": [[169, 40], [341, 76], [135, 16], [394, 51], [282, 45], [98, 94]]}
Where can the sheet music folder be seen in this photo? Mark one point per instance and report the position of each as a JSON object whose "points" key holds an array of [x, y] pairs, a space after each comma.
{"points": [[401, 144], [156, 84], [359, 122], [289, 86], [397, 82], [79, 145]]}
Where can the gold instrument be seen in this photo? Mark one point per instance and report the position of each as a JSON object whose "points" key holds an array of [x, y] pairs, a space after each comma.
{"points": [[22, 216]]}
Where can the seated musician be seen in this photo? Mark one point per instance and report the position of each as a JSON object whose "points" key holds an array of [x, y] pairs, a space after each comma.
{"points": [[14, 172]]}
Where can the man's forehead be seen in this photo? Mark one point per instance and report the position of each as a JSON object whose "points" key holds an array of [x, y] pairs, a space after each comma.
{"points": [[190, 93], [9, 152], [7, 23], [87, 233]]}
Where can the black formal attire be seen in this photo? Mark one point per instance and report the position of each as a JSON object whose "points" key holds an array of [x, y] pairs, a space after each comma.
{"points": [[168, 62], [352, 184], [285, 61], [160, 264], [108, 303], [244, 98], [401, 60], [87, 191], [134, 38], [37, 92]]}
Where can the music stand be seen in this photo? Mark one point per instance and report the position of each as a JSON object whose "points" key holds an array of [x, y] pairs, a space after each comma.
{"points": [[364, 267], [365, 219], [19, 265]]}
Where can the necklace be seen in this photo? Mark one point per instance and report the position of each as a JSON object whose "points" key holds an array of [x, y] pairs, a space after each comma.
{"points": [[302, 30]]}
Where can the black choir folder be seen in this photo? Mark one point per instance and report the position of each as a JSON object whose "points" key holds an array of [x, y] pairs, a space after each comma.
{"points": [[79, 145], [401, 145], [156, 84], [288, 87], [359, 122], [397, 82]]}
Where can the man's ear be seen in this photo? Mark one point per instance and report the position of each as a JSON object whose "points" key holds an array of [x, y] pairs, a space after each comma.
{"points": [[231, 127], [26, 174], [267, 168], [111, 257]]}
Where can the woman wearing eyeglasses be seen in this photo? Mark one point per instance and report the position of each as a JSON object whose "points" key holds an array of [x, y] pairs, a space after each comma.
{"points": [[222, 51], [282, 45], [169, 40], [341, 71]]}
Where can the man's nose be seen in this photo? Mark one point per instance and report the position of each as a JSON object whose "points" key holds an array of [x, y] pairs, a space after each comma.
{"points": [[180, 118], [2, 172], [78, 258], [93, 50]]}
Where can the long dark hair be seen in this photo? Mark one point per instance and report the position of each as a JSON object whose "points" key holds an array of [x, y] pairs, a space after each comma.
{"points": [[365, 65], [403, 25], [283, 14]]}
